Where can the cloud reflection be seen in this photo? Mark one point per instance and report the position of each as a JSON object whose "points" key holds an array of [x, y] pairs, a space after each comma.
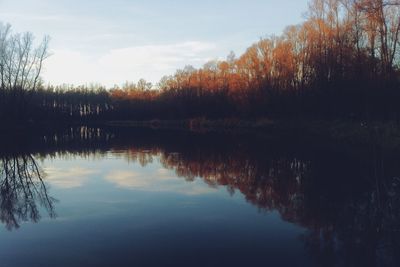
{"points": [[68, 178], [159, 180]]}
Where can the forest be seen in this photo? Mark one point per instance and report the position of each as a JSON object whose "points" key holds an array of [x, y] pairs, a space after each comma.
{"points": [[342, 62]]}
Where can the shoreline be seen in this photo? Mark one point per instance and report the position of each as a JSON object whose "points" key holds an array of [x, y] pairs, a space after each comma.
{"points": [[382, 134]]}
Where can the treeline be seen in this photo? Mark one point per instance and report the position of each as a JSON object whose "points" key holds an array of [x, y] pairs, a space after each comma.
{"points": [[341, 62]]}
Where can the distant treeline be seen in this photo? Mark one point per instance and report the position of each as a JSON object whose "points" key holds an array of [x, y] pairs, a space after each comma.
{"points": [[343, 61]]}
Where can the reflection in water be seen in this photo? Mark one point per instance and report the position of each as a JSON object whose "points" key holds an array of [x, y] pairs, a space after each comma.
{"points": [[352, 214], [21, 191], [348, 200]]}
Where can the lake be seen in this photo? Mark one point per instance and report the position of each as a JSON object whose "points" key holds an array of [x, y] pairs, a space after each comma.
{"points": [[102, 196]]}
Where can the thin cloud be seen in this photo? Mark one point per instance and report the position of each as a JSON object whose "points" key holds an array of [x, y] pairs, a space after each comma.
{"points": [[131, 63], [29, 17]]}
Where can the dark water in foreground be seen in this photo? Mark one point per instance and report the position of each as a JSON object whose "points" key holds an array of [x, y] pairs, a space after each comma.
{"points": [[113, 197]]}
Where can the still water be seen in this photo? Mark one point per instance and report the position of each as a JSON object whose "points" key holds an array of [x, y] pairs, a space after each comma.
{"points": [[127, 197]]}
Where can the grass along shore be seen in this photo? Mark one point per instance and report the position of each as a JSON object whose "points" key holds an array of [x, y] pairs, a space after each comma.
{"points": [[384, 134]]}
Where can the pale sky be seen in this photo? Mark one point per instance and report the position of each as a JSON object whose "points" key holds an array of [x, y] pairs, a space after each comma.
{"points": [[113, 41]]}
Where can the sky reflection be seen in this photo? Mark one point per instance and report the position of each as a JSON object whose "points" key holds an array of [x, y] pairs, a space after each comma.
{"points": [[148, 202], [121, 174]]}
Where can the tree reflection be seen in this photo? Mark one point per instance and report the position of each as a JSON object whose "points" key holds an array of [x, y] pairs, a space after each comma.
{"points": [[22, 191], [347, 199], [349, 204], [352, 213]]}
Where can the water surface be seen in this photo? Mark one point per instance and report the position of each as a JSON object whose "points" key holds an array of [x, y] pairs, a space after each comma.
{"points": [[116, 197]]}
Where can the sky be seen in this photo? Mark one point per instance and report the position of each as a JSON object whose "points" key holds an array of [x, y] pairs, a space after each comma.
{"points": [[113, 41]]}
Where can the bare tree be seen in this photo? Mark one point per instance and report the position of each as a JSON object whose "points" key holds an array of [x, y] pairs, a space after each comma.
{"points": [[21, 62]]}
